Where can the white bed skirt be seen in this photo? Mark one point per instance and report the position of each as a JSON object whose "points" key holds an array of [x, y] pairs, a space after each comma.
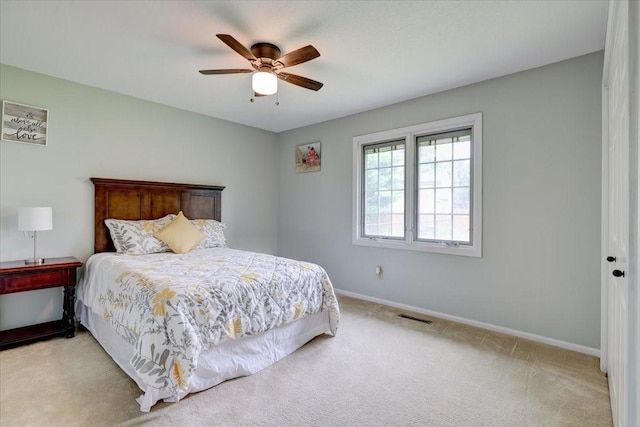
{"points": [[231, 359]]}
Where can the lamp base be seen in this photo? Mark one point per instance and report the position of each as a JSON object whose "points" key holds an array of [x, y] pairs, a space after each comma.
{"points": [[35, 261]]}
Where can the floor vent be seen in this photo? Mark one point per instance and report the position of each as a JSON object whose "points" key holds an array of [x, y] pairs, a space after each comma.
{"points": [[404, 316]]}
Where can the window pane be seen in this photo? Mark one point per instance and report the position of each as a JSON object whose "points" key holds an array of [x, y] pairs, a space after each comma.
{"points": [[426, 227], [443, 227], [397, 157], [371, 222], [462, 150], [384, 178], [426, 175], [385, 225], [461, 228], [371, 160], [397, 205], [461, 173], [384, 202], [444, 151], [443, 200], [385, 157], [371, 218], [461, 200], [397, 178], [443, 174], [397, 225], [371, 180], [371, 229], [426, 203], [426, 153], [371, 203]]}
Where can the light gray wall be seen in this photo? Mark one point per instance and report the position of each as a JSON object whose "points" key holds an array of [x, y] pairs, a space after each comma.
{"points": [[93, 132], [540, 269]]}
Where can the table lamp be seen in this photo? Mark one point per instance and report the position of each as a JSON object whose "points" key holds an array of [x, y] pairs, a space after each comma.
{"points": [[34, 220]]}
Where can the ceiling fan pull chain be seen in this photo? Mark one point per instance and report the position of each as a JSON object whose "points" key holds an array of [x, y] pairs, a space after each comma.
{"points": [[277, 99]]}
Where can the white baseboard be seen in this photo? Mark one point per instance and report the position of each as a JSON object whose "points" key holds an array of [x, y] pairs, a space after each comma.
{"points": [[526, 335]]}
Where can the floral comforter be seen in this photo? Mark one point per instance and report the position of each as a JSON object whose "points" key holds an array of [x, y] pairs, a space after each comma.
{"points": [[172, 307]]}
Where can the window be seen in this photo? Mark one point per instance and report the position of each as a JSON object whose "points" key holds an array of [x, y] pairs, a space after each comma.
{"points": [[444, 187], [419, 187], [384, 190]]}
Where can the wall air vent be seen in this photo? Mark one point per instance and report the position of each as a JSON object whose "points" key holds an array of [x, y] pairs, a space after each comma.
{"points": [[417, 319]]}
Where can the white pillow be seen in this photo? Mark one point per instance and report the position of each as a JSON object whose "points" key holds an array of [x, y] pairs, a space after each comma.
{"points": [[214, 232], [136, 237]]}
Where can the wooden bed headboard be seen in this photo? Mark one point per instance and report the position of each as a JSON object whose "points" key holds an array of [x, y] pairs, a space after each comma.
{"points": [[134, 200]]}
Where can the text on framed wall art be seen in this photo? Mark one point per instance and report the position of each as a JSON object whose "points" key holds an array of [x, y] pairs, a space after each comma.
{"points": [[24, 123]]}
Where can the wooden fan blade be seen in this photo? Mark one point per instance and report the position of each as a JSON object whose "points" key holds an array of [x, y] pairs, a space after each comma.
{"points": [[237, 46], [228, 71], [300, 81], [299, 56]]}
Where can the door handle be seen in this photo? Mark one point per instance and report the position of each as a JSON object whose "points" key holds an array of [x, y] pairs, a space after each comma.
{"points": [[611, 259], [618, 273]]}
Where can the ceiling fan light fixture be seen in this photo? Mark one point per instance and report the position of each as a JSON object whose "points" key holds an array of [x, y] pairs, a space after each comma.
{"points": [[264, 83]]}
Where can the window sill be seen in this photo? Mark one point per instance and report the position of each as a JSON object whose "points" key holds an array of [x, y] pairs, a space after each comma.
{"points": [[471, 251]]}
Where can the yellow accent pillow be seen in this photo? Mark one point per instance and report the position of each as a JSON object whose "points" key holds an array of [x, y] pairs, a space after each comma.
{"points": [[180, 235]]}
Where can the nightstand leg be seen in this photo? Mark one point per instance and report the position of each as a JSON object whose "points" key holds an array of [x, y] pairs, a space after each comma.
{"points": [[68, 314]]}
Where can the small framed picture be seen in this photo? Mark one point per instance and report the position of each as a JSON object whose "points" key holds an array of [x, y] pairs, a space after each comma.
{"points": [[24, 123], [308, 157]]}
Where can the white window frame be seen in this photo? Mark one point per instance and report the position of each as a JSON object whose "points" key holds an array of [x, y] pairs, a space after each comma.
{"points": [[409, 135]]}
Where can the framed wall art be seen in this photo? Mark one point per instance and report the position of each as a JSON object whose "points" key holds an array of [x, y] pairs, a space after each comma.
{"points": [[308, 157], [24, 123]]}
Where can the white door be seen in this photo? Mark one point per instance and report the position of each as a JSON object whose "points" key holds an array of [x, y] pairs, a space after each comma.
{"points": [[617, 86]]}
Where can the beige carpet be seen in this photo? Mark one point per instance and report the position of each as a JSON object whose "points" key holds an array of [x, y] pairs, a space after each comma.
{"points": [[380, 370]]}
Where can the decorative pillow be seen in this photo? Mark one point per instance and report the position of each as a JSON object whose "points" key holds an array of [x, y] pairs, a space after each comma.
{"points": [[136, 237], [214, 232], [181, 235]]}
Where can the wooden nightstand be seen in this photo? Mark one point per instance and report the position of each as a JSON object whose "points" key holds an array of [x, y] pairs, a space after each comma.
{"points": [[16, 276]]}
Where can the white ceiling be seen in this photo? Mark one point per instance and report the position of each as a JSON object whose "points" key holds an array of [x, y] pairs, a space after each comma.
{"points": [[372, 53]]}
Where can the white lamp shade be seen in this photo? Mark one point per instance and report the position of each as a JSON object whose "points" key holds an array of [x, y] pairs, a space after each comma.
{"points": [[264, 83], [35, 219]]}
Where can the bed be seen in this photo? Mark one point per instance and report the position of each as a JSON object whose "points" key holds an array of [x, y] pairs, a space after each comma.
{"points": [[179, 323]]}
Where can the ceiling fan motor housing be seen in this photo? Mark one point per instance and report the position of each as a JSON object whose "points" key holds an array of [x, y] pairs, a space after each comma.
{"points": [[265, 50]]}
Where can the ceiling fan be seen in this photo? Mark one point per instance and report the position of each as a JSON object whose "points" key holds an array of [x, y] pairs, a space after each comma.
{"points": [[268, 64]]}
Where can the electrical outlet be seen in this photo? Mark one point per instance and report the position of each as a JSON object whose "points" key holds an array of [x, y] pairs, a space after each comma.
{"points": [[379, 272]]}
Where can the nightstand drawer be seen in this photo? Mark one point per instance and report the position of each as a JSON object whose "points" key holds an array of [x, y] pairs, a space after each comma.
{"points": [[45, 279]]}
